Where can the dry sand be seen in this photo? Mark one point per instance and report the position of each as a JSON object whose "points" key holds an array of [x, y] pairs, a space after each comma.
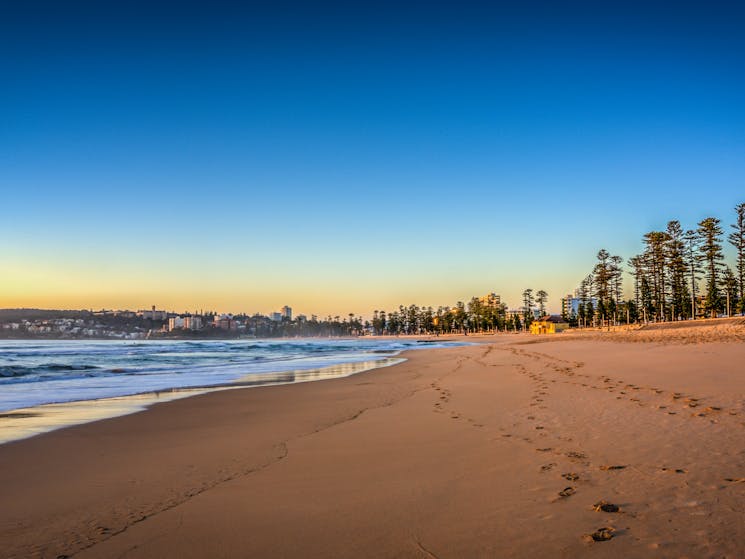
{"points": [[495, 450]]}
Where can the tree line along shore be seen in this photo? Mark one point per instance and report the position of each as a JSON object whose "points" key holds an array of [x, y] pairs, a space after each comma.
{"points": [[679, 275]]}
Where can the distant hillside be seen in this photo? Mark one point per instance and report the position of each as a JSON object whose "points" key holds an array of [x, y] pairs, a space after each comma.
{"points": [[12, 315]]}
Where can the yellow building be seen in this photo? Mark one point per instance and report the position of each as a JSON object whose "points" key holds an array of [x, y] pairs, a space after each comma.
{"points": [[549, 325]]}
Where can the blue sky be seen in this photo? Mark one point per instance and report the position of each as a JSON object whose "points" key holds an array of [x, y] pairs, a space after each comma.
{"points": [[345, 158]]}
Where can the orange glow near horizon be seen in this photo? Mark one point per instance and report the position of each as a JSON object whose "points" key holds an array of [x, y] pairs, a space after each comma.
{"points": [[65, 288]]}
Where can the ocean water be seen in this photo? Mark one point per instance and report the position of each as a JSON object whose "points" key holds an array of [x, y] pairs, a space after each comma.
{"points": [[37, 372]]}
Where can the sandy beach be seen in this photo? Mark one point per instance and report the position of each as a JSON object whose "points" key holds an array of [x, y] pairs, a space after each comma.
{"points": [[510, 448]]}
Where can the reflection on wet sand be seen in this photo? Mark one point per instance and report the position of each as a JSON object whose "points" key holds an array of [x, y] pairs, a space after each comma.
{"points": [[27, 422]]}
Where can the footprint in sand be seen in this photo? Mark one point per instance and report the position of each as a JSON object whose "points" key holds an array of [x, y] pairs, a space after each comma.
{"points": [[605, 506], [674, 470], [601, 534], [567, 492], [571, 476], [606, 468], [548, 467]]}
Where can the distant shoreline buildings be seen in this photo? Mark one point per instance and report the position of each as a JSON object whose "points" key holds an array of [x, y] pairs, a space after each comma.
{"points": [[572, 304], [487, 313]]}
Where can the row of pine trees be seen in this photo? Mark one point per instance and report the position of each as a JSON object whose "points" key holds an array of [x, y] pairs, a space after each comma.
{"points": [[476, 316], [680, 274]]}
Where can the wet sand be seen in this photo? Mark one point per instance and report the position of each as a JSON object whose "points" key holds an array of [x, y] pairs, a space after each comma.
{"points": [[504, 449]]}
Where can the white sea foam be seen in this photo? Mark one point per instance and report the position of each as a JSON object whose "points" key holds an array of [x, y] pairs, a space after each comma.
{"points": [[34, 372]]}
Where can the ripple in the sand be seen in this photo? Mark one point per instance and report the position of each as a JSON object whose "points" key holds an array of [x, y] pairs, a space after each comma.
{"points": [[615, 467]]}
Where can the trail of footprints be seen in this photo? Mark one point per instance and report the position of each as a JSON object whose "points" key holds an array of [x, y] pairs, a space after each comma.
{"points": [[444, 395], [576, 459], [577, 463], [570, 466], [670, 403], [573, 467], [441, 405]]}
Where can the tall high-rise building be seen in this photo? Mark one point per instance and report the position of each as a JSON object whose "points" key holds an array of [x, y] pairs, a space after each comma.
{"points": [[491, 300], [570, 305], [193, 322], [286, 312]]}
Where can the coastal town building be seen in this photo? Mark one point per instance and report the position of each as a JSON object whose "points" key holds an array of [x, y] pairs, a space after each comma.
{"points": [[187, 322], [520, 313], [175, 323], [571, 303], [491, 300], [193, 322], [510, 314], [286, 312], [225, 322], [153, 314], [550, 324]]}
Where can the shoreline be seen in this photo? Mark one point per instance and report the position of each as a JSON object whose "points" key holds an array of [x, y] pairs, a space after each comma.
{"points": [[235, 369], [457, 451], [22, 423]]}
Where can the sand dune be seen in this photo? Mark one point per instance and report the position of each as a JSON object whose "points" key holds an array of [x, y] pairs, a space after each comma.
{"points": [[572, 446]]}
